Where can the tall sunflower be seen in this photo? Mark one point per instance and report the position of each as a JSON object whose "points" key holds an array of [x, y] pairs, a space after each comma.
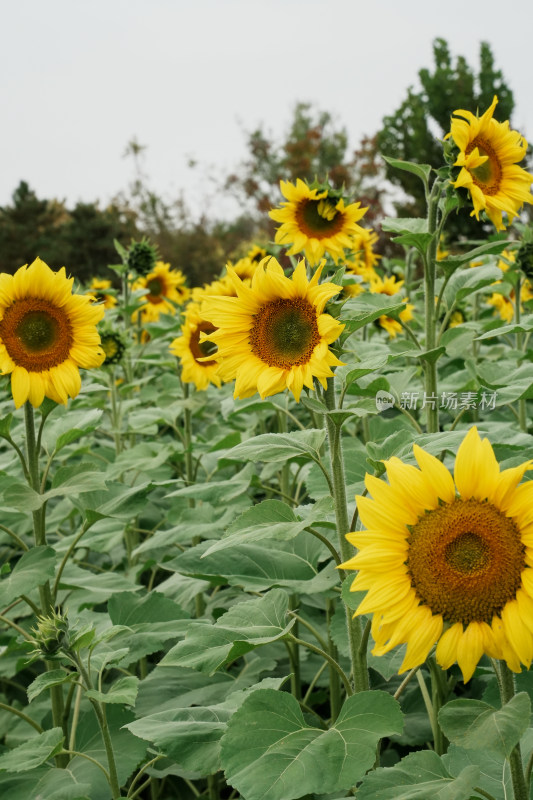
{"points": [[449, 560], [274, 335], [46, 334], [166, 288], [192, 352], [489, 153], [316, 221]]}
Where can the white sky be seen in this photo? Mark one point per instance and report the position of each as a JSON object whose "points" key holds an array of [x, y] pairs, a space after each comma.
{"points": [[81, 78]]}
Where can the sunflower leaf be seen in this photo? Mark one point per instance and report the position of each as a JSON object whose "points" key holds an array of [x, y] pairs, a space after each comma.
{"points": [[245, 626], [422, 171], [279, 446], [418, 776], [473, 724], [269, 752], [32, 753], [34, 568]]}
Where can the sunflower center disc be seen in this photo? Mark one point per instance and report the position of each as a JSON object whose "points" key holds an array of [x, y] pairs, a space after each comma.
{"points": [[155, 287], [465, 560], [488, 175], [318, 224], [285, 333], [202, 349], [36, 334]]}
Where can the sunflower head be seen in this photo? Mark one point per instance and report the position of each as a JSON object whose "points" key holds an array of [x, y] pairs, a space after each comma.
{"points": [[197, 355], [113, 345], [447, 560], [316, 221], [273, 334], [488, 157], [46, 334], [165, 290], [142, 257]]}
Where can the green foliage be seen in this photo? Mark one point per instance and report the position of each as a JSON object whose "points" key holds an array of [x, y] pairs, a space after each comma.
{"points": [[270, 752]]}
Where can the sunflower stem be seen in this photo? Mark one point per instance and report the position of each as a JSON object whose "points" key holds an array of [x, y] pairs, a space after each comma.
{"points": [[334, 680], [522, 414], [45, 594], [199, 600], [507, 691], [355, 631], [430, 260], [99, 710]]}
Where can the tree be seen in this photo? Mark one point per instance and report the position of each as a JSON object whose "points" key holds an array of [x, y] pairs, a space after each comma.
{"points": [[80, 240], [413, 131]]}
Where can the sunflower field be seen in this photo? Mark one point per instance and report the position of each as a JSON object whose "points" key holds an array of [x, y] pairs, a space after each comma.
{"points": [[272, 537]]}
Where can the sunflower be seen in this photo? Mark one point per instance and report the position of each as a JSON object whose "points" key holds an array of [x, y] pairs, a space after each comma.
{"points": [[274, 335], [391, 286], [448, 561], [189, 349], [114, 346], [97, 290], [46, 334], [316, 221], [488, 156], [363, 259], [166, 288]]}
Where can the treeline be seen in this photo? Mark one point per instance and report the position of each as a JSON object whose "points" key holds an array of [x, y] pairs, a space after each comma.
{"points": [[313, 147]]}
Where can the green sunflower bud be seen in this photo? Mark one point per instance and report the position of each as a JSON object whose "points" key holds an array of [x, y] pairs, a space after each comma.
{"points": [[142, 257], [52, 635]]}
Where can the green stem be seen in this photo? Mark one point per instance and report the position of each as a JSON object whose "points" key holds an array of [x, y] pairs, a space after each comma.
{"points": [[329, 659], [199, 600], [115, 411], [507, 692], [430, 366], [522, 413], [104, 729], [334, 682], [23, 716], [355, 632], [296, 682], [39, 531]]}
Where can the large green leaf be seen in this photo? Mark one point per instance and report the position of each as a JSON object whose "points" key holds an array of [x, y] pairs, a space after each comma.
{"points": [[362, 310], [270, 519], [245, 626], [48, 783], [270, 753], [152, 621], [191, 736], [466, 282], [258, 567], [33, 753], [419, 776], [475, 724], [33, 569], [279, 446], [494, 771]]}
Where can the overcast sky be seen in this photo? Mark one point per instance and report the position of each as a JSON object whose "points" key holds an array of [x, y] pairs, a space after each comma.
{"points": [[81, 78]]}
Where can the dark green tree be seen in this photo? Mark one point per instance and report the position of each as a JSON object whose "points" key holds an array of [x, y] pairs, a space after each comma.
{"points": [[30, 227], [80, 240], [413, 132]]}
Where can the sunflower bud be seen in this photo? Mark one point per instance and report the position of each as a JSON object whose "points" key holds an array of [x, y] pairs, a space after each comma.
{"points": [[52, 635], [142, 257]]}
